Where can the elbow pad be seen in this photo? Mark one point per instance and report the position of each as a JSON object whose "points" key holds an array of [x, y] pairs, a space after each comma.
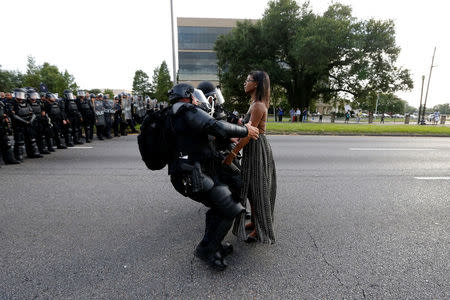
{"points": [[227, 130], [201, 121]]}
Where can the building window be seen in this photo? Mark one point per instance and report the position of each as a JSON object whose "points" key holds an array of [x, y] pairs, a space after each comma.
{"points": [[199, 38], [197, 65]]}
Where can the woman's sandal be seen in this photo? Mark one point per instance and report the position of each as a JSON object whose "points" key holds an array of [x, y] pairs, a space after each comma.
{"points": [[252, 237]]}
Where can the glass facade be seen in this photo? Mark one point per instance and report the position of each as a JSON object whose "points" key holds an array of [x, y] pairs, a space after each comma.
{"points": [[197, 60], [199, 38], [197, 65]]}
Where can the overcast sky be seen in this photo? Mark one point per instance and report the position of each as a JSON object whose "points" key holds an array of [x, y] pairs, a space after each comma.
{"points": [[102, 43]]}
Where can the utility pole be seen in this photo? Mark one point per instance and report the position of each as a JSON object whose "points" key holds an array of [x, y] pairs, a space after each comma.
{"points": [[428, 86], [173, 44], [421, 96], [376, 105]]}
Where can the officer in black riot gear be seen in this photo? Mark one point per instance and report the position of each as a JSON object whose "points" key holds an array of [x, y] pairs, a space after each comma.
{"points": [[5, 144], [22, 116], [40, 125], [99, 115], [190, 128], [88, 114], [74, 117], [55, 112], [108, 105]]}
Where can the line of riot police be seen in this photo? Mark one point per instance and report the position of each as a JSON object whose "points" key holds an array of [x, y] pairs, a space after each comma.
{"points": [[41, 122]]}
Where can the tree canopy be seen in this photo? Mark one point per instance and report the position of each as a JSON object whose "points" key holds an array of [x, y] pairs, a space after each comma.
{"points": [[313, 56], [141, 84], [161, 82]]}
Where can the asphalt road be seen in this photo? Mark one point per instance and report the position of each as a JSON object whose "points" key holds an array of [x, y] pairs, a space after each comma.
{"points": [[356, 217]]}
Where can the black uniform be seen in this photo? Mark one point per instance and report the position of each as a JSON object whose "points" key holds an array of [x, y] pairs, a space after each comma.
{"points": [[74, 117], [190, 175], [40, 125], [108, 105], [5, 143], [56, 114], [87, 112], [99, 117], [24, 139]]}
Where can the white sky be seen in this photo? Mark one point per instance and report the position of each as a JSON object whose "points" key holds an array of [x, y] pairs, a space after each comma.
{"points": [[102, 43]]}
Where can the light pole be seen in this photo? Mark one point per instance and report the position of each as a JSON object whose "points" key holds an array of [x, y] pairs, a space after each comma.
{"points": [[421, 96], [376, 104], [428, 86], [173, 44]]}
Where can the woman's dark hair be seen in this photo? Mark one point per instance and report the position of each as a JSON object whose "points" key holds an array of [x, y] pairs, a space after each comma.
{"points": [[263, 88]]}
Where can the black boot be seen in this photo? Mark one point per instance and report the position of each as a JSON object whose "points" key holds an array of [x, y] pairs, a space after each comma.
{"points": [[33, 151], [69, 140], [19, 150], [8, 157], [49, 144], [42, 146]]}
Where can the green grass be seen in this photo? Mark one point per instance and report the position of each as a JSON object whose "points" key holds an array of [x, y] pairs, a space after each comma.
{"points": [[359, 129]]}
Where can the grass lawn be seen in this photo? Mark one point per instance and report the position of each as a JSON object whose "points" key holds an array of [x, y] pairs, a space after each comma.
{"points": [[358, 129]]}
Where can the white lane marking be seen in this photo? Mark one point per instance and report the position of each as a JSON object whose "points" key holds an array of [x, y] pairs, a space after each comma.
{"points": [[80, 147], [432, 178], [391, 149]]}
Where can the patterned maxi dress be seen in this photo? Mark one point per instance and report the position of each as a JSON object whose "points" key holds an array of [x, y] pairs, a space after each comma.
{"points": [[259, 185]]}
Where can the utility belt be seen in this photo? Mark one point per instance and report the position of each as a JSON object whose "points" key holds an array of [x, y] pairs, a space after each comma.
{"points": [[193, 180]]}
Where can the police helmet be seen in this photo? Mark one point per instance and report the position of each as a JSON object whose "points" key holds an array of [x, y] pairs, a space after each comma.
{"points": [[32, 94], [68, 95], [100, 95], [51, 96], [206, 87], [180, 91], [93, 96], [20, 94], [81, 93]]}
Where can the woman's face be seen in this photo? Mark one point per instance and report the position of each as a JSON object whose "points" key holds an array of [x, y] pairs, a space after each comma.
{"points": [[250, 84]]}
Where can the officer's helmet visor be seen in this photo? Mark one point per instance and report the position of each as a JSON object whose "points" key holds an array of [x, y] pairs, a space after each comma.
{"points": [[198, 94], [51, 96], [34, 96], [219, 97], [19, 95], [81, 94]]}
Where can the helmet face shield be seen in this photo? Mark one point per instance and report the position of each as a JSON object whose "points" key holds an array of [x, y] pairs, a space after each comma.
{"points": [[203, 102], [19, 95], [34, 96], [81, 94], [70, 96], [219, 97]]}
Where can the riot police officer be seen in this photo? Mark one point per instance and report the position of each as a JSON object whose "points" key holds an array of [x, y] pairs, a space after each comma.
{"points": [[22, 116], [192, 150], [117, 116], [57, 117], [74, 117], [99, 115], [5, 143], [109, 114], [40, 125], [88, 114]]}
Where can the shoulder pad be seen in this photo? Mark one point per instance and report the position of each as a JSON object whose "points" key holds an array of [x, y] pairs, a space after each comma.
{"points": [[181, 106]]}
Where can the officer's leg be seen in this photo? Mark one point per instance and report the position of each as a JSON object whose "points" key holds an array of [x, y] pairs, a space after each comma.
{"points": [[30, 143], [99, 132], [6, 149]]}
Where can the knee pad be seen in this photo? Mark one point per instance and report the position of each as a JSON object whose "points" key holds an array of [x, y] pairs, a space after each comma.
{"points": [[223, 202]]}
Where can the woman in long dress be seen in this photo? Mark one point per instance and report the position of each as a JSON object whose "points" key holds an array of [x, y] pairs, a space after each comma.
{"points": [[258, 167]]}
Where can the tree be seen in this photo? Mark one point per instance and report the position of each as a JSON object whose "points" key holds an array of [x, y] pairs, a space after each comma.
{"points": [[161, 82], [109, 92], [49, 75], [10, 80], [313, 56], [141, 84], [95, 91], [442, 108]]}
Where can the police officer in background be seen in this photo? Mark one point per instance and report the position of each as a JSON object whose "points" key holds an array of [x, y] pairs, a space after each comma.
{"points": [[40, 123], [5, 143], [128, 114], [108, 104], [99, 115], [117, 116], [74, 117], [192, 150], [88, 114], [22, 116], [57, 117]]}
